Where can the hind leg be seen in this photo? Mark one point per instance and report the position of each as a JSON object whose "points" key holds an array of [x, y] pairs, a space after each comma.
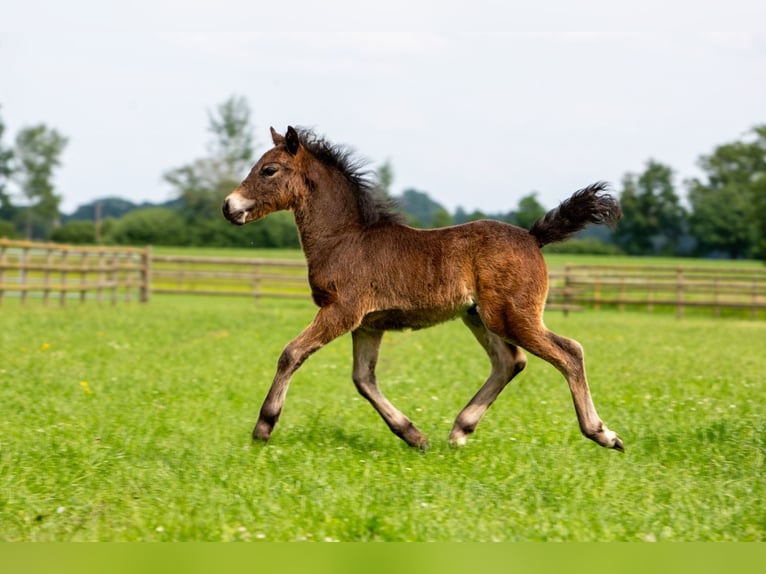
{"points": [[366, 343], [567, 356], [507, 361]]}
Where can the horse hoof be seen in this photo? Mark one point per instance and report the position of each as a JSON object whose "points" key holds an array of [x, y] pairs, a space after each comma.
{"points": [[618, 444], [261, 433], [422, 446], [458, 441]]}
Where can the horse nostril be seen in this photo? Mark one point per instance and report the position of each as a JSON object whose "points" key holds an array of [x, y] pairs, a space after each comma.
{"points": [[232, 211]]}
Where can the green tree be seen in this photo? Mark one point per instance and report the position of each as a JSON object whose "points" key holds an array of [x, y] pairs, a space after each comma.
{"points": [[233, 142], [385, 177], [528, 211], [152, 225], [477, 215], [441, 218], [422, 211], [202, 184], [729, 209], [7, 229], [75, 233], [653, 219], [6, 170], [37, 154], [104, 207]]}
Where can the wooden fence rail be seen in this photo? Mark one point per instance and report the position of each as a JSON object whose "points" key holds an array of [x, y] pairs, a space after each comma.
{"points": [[650, 287], [229, 276], [46, 270]]}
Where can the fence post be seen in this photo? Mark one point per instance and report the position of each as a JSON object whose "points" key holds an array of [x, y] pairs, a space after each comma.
{"points": [[567, 295], [754, 309], [64, 263], [83, 276], [47, 275], [621, 304], [597, 293], [2, 266], [100, 276], [146, 274], [256, 282], [114, 275], [716, 308], [679, 293], [23, 272]]}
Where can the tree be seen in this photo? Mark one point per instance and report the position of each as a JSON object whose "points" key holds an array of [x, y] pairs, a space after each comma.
{"points": [[6, 170], [202, 184], [37, 154], [75, 233], [442, 218], [477, 215], [385, 176], [719, 221], [104, 207], [233, 140], [653, 219], [528, 211], [729, 209], [152, 225], [423, 211]]}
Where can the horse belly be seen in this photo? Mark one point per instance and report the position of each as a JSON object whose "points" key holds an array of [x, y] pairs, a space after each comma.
{"points": [[401, 319]]}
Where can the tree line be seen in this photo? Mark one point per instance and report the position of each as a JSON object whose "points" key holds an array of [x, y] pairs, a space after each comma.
{"points": [[724, 214]]}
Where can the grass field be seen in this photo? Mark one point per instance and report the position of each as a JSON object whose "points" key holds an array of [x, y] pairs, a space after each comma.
{"points": [[133, 423]]}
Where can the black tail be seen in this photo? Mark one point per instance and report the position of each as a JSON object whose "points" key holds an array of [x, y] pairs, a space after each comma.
{"points": [[586, 206]]}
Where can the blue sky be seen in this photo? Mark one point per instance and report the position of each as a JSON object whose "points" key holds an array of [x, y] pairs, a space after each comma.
{"points": [[475, 103]]}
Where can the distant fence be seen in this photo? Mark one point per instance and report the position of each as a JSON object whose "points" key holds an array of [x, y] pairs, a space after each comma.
{"points": [[229, 276], [654, 287], [46, 271], [51, 271]]}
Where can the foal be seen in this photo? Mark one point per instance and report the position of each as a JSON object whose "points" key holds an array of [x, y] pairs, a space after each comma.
{"points": [[369, 273]]}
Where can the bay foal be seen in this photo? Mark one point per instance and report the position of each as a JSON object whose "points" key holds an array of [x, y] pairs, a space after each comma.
{"points": [[369, 273]]}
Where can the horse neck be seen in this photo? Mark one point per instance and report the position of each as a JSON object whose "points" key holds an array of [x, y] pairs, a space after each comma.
{"points": [[327, 216]]}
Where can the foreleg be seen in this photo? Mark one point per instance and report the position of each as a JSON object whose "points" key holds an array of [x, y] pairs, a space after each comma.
{"points": [[329, 323]]}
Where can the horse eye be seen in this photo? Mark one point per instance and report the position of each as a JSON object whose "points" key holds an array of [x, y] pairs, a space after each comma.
{"points": [[269, 170]]}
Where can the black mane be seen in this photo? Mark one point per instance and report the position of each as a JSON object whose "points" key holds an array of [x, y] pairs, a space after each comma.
{"points": [[374, 206]]}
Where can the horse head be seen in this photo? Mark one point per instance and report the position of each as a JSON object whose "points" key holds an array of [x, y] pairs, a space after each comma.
{"points": [[275, 182]]}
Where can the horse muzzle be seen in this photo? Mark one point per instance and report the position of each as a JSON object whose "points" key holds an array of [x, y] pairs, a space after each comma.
{"points": [[237, 208]]}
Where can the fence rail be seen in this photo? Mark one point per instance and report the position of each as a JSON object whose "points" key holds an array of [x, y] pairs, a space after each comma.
{"points": [[651, 287], [46, 270], [229, 276]]}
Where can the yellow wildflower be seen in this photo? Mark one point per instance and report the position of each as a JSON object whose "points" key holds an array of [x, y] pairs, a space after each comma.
{"points": [[86, 387], [45, 346]]}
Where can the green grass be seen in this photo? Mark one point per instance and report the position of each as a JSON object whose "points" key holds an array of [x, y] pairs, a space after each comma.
{"points": [[557, 261], [254, 252], [156, 445]]}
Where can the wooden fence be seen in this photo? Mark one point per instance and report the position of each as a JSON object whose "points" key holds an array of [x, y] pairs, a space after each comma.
{"points": [[229, 276], [44, 271], [653, 287]]}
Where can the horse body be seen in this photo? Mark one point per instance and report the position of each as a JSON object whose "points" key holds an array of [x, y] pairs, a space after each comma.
{"points": [[370, 273], [454, 266]]}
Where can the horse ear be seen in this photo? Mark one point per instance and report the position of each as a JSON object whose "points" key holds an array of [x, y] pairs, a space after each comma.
{"points": [[278, 139], [292, 140]]}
